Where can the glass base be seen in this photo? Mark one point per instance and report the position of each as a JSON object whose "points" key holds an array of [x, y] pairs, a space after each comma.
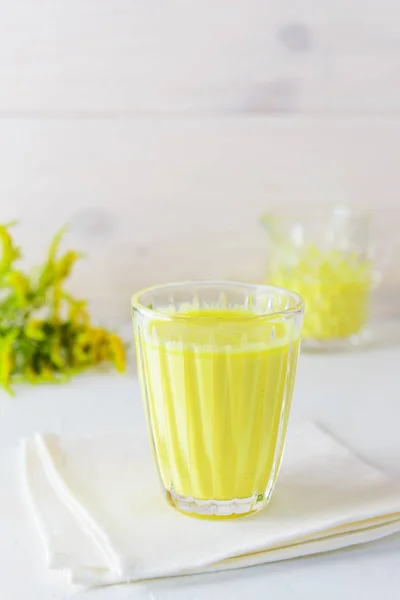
{"points": [[353, 342], [217, 509]]}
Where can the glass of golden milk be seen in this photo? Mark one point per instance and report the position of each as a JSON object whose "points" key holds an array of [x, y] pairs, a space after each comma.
{"points": [[217, 364]]}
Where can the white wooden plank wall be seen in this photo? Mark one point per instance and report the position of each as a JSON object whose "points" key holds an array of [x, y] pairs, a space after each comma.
{"points": [[161, 129]]}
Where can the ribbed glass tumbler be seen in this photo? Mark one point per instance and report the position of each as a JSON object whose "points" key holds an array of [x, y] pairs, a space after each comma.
{"points": [[217, 364]]}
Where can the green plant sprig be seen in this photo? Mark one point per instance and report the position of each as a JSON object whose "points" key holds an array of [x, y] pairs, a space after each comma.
{"points": [[45, 334]]}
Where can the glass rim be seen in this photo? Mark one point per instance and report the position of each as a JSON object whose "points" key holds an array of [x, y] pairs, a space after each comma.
{"points": [[314, 210], [297, 308]]}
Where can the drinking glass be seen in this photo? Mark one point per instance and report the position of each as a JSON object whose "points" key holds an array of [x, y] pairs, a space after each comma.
{"points": [[326, 257], [217, 364]]}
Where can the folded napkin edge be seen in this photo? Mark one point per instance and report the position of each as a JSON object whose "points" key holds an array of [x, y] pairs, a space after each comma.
{"points": [[66, 496]]}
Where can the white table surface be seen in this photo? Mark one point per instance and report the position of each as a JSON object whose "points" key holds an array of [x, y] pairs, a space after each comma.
{"points": [[357, 396]]}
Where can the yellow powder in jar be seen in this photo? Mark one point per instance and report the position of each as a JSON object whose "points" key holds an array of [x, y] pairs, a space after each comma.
{"points": [[335, 285]]}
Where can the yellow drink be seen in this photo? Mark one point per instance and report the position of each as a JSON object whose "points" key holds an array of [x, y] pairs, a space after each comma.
{"points": [[218, 384]]}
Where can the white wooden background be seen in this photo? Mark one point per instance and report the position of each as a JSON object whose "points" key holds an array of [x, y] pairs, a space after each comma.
{"points": [[161, 129]]}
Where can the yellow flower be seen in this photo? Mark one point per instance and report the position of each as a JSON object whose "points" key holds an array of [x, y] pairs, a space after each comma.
{"points": [[56, 356], [6, 363], [117, 351], [77, 313], [19, 283], [82, 350], [34, 330], [9, 252]]}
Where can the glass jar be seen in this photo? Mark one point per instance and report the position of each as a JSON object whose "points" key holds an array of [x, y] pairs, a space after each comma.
{"points": [[326, 257]]}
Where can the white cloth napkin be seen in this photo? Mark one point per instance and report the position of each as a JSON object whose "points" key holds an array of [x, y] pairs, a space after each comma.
{"points": [[103, 518]]}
